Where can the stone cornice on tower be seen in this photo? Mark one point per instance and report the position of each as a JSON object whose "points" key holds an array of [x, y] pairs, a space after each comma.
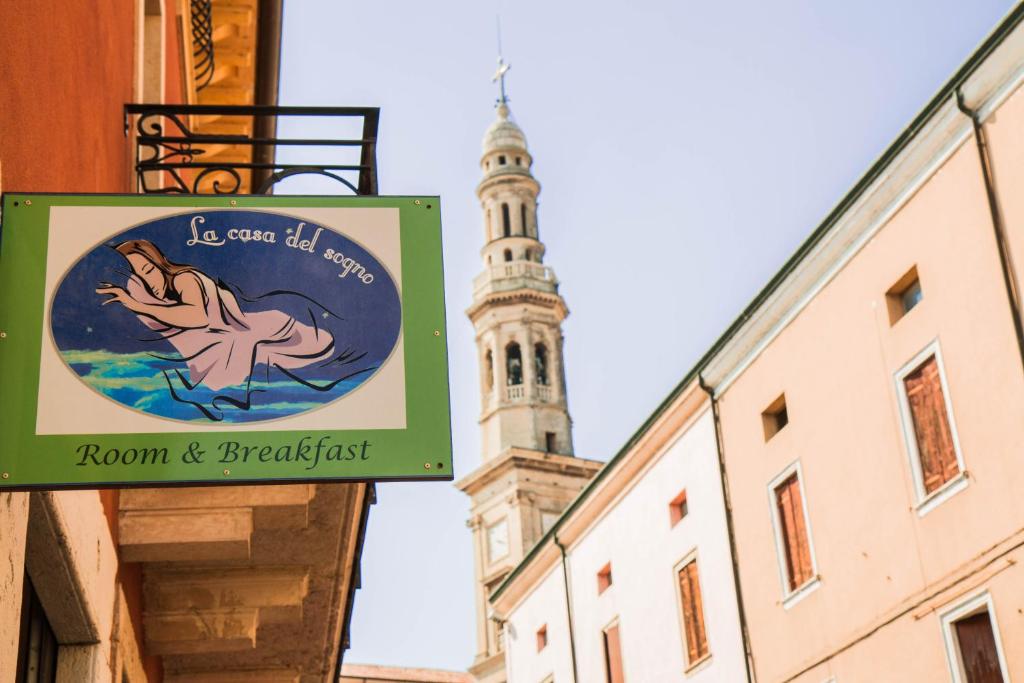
{"points": [[517, 296], [525, 459]]}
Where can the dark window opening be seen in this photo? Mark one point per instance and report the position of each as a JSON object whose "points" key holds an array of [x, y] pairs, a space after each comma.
{"points": [[508, 254], [489, 370], [904, 295], [613, 655], [604, 578], [976, 642], [501, 160], [540, 356], [775, 417], [519, 161], [37, 644], [522, 218], [506, 222], [549, 442], [678, 508], [513, 364]]}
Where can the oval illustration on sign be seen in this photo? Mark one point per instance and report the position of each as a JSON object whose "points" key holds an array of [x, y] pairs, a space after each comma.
{"points": [[226, 316]]}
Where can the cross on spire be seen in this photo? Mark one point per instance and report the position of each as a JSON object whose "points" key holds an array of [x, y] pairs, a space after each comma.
{"points": [[503, 67]]}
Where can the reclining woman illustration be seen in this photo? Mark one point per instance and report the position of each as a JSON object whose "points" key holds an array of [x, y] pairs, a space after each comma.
{"points": [[217, 342]]}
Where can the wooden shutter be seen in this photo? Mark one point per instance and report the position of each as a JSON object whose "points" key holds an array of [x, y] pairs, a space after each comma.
{"points": [[613, 655], [977, 645], [796, 548], [931, 425], [693, 613]]}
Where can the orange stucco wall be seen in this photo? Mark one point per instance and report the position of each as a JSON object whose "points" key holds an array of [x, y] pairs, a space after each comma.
{"points": [[68, 68], [67, 72], [836, 363]]}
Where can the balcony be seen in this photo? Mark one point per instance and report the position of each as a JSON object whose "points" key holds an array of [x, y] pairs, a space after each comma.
{"points": [[515, 275], [236, 149], [517, 393]]}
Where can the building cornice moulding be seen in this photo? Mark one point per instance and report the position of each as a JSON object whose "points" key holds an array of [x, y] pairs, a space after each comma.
{"points": [[943, 131]]}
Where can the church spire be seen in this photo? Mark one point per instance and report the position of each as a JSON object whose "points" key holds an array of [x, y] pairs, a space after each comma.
{"points": [[528, 472], [517, 309]]}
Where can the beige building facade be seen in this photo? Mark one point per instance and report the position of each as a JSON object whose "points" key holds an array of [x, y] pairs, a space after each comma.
{"points": [[866, 419], [878, 525]]}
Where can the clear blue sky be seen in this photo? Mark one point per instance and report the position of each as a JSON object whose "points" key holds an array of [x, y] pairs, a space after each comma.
{"points": [[685, 150]]}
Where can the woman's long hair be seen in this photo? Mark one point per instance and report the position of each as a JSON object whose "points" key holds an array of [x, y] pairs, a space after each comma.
{"points": [[152, 253]]}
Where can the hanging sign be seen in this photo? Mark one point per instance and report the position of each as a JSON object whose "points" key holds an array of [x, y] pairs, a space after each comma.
{"points": [[154, 340]]}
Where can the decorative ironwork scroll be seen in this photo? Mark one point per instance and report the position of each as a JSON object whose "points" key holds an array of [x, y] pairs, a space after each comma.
{"points": [[175, 155], [202, 42]]}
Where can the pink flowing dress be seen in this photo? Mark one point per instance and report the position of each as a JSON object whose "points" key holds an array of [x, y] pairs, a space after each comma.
{"points": [[228, 348]]}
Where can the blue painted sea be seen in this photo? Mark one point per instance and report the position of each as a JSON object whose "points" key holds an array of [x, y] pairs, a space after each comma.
{"points": [[149, 385]]}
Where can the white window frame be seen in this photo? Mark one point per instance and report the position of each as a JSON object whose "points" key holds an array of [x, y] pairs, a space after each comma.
{"points": [[792, 597], [689, 667], [979, 602], [926, 502]]}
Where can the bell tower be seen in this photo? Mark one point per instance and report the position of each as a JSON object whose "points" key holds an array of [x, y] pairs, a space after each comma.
{"points": [[528, 473]]}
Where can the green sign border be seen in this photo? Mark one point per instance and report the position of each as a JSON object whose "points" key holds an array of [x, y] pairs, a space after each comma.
{"points": [[421, 451]]}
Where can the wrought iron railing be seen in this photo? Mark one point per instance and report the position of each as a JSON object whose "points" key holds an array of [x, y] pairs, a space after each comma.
{"points": [[202, 42], [172, 157]]}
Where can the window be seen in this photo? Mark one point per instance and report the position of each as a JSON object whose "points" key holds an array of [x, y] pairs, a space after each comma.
{"points": [[506, 222], [540, 357], [928, 424], [527, 255], [604, 578], [613, 655], [497, 541], [513, 365], [549, 442], [501, 160], [522, 220], [488, 371], [695, 634], [547, 520], [904, 295], [972, 642], [792, 534], [507, 255], [37, 644], [542, 637], [775, 417], [677, 508], [519, 161]]}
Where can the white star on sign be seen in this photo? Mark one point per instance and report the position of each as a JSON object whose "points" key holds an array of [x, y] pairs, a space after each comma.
{"points": [[326, 315]]}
